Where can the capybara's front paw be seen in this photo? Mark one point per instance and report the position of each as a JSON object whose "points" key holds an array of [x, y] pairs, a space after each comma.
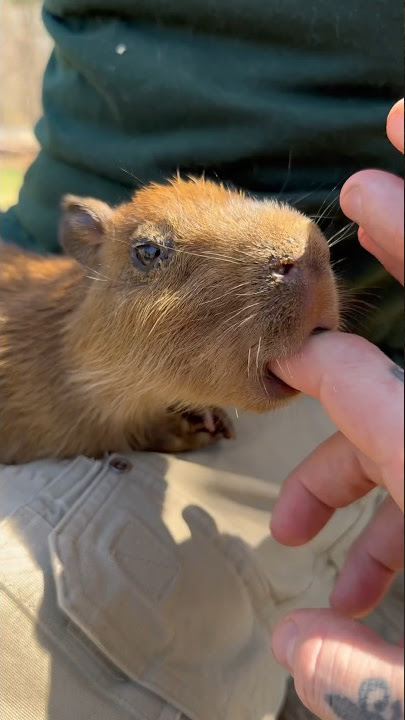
{"points": [[192, 430]]}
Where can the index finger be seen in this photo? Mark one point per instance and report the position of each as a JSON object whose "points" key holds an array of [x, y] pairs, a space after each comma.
{"points": [[362, 392], [375, 201]]}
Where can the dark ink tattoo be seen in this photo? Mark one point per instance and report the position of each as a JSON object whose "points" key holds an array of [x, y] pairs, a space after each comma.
{"points": [[374, 703], [397, 372]]}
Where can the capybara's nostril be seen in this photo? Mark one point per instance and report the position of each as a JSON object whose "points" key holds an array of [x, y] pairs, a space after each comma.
{"points": [[282, 270], [287, 268]]}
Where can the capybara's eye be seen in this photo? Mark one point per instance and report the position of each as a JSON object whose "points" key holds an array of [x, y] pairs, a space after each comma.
{"points": [[144, 255]]}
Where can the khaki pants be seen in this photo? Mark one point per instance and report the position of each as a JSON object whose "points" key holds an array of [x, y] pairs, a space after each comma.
{"points": [[146, 587]]}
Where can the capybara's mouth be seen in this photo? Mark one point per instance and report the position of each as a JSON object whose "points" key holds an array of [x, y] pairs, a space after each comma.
{"points": [[277, 389]]}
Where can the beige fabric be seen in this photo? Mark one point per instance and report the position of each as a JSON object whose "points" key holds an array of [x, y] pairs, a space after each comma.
{"points": [[147, 586]]}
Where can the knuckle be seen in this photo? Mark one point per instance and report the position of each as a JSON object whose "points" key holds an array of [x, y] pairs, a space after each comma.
{"points": [[315, 673]]}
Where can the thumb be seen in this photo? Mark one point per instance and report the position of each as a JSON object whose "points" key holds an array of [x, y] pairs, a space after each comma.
{"points": [[340, 668]]}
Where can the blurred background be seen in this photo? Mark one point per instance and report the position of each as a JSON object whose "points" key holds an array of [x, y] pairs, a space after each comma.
{"points": [[24, 51]]}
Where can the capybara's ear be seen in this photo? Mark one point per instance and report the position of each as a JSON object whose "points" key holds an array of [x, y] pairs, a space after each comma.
{"points": [[82, 228]]}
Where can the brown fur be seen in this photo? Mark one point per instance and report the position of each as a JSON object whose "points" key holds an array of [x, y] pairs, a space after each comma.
{"points": [[93, 355]]}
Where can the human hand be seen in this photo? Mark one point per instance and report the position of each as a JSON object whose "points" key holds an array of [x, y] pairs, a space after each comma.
{"points": [[341, 669]]}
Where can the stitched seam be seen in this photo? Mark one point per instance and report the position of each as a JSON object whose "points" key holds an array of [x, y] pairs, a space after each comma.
{"points": [[69, 652]]}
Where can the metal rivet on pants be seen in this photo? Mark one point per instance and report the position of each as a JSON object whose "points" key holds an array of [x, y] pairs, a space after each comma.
{"points": [[120, 465]]}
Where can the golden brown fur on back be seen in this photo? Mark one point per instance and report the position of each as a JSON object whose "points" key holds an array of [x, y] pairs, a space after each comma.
{"points": [[107, 354], [38, 294]]}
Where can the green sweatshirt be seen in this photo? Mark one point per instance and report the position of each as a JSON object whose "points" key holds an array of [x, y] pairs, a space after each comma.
{"points": [[284, 98]]}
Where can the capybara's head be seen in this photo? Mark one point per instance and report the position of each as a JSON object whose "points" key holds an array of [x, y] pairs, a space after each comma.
{"points": [[193, 289]]}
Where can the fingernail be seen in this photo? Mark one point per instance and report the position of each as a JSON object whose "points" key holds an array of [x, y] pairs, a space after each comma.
{"points": [[352, 203], [284, 642]]}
